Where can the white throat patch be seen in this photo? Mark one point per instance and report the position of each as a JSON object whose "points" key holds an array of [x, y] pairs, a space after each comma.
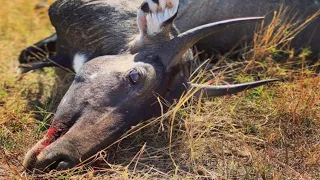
{"points": [[78, 61]]}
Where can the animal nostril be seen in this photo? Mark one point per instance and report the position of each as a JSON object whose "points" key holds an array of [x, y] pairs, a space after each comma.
{"points": [[64, 164]]}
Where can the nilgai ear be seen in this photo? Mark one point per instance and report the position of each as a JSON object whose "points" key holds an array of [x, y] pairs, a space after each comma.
{"points": [[155, 18], [172, 51], [154, 15]]}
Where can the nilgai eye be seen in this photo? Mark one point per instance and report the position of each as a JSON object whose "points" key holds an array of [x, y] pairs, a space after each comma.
{"points": [[134, 76]]}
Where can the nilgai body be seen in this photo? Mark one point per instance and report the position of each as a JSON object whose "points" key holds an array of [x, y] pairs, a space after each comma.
{"points": [[86, 29]]}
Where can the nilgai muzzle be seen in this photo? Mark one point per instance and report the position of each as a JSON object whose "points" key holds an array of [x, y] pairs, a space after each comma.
{"points": [[110, 94], [86, 29]]}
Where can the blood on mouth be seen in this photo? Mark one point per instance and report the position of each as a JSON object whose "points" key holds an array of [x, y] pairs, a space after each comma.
{"points": [[52, 134]]}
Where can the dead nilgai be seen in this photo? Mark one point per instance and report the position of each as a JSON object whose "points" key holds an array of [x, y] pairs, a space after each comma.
{"points": [[110, 94]]}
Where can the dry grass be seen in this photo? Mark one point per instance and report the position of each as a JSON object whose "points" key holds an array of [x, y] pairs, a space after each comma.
{"points": [[267, 133]]}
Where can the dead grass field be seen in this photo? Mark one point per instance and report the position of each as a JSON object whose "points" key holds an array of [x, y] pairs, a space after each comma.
{"points": [[271, 132]]}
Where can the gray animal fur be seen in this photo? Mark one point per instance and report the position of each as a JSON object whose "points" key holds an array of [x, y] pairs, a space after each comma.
{"points": [[104, 27], [216, 10]]}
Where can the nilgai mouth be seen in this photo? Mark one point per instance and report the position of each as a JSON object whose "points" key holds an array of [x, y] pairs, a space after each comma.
{"points": [[56, 131]]}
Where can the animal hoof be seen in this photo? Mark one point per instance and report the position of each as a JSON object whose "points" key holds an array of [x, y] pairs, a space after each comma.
{"points": [[41, 5], [24, 68]]}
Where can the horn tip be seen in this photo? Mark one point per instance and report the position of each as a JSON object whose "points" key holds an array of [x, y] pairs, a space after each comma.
{"points": [[265, 81], [273, 80]]}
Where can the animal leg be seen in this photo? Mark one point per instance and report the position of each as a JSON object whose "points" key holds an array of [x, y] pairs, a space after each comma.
{"points": [[56, 60], [42, 4], [39, 51], [24, 68]]}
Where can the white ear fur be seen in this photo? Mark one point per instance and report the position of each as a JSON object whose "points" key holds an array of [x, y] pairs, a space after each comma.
{"points": [[151, 23]]}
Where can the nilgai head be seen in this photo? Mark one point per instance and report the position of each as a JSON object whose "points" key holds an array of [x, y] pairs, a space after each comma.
{"points": [[110, 94]]}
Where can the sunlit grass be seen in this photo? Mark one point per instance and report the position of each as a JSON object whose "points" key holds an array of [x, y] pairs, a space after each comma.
{"points": [[271, 132]]}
